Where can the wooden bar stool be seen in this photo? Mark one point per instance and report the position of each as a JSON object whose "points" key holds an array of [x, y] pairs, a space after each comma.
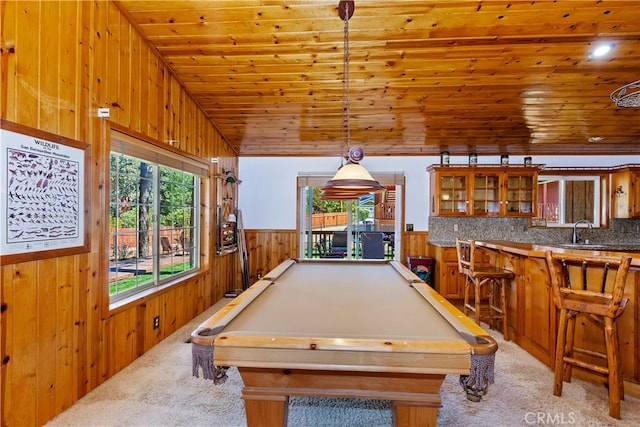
{"points": [[582, 287], [494, 279]]}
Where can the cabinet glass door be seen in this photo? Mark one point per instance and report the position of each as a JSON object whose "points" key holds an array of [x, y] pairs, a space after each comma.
{"points": [[520, 199], [486, 195], [453, 194]]}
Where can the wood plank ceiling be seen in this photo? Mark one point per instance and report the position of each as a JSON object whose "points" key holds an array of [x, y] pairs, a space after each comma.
{"points": [[425, 76]]}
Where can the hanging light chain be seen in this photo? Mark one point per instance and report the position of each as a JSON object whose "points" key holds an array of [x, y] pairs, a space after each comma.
{"points": [[346, 108], [352, 180]]}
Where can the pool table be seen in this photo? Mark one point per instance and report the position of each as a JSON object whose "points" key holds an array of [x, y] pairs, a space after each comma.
{"points": [[345, 328]]}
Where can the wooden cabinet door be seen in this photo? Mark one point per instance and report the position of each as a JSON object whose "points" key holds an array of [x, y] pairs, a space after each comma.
{"points": [[449, 282], [450, 194], [486, 194], [537, 311], [635, 194], [625, 194], [520, 193], [453, 286], [621, 195], [454, 197]]}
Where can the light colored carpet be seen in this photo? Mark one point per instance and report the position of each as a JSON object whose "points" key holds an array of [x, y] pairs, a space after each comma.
{"points": [[158, 390]]}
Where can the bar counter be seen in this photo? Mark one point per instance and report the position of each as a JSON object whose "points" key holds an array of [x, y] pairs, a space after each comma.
{"points": [[533, 316], [538, 251]]}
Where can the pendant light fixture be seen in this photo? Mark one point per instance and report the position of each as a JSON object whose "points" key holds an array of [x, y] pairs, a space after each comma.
{"points": [[352, 180]]}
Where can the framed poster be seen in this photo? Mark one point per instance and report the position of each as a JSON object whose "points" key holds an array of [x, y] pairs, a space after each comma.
{"points": [[43, 194]]}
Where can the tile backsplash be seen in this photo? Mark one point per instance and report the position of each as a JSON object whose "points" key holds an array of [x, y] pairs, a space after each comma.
{"points": [[446, 229]]}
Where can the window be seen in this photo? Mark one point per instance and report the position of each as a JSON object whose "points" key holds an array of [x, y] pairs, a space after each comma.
{"points": [[563, 200], [153, 217]]}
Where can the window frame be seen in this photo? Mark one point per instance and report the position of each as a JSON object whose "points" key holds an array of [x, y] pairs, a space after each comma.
{"points": [[598, 197], [138, 147]]}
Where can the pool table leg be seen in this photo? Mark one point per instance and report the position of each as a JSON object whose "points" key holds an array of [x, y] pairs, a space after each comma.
{"points": [[265, 410], [407, 414]]}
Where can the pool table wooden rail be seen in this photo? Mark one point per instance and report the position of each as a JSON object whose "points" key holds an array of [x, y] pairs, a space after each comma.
{"points": [[476, 337]]}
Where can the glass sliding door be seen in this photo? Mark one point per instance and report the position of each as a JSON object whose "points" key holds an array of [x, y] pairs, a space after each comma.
{"points": [[366, 228]]}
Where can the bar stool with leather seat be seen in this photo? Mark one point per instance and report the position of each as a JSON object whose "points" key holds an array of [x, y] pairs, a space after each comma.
{"points": [[486, 281], [582, 287]]}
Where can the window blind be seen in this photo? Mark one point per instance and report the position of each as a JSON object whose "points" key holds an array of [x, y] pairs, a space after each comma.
{"points": [[125, 144]]}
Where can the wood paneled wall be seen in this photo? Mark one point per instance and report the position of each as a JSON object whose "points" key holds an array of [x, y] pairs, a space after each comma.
{"points": [[414, 243], [60, 61], [268, 248]]}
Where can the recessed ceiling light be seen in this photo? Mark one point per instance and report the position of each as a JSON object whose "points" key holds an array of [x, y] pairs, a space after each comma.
{"points": [[595, 138], [601, 50]]}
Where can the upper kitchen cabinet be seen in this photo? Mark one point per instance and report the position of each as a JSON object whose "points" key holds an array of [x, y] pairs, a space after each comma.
{"points": [[520, 192], [483, 190], [451, 194], [625, 192]]}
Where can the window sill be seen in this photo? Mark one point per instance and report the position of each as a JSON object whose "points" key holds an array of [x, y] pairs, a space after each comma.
{"points": [[144, 296]]}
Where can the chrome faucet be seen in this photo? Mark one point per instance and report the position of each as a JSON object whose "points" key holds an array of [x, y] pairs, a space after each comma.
{"points": [[574, 239]]}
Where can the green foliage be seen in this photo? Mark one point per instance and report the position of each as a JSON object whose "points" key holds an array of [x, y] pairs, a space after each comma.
{"points": [[176, 218], [128, 219], [176, 197], [327, 206], [330, 206], [176, 193], [362, 214]]}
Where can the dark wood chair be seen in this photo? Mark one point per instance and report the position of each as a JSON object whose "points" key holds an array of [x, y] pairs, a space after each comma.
{"points": [[483, 280], [592, 288]]}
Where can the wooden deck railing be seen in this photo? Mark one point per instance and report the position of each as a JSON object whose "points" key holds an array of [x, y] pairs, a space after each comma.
{"points": [[324, 239]]}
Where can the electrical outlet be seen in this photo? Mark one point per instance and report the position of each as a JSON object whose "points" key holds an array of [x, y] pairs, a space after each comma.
{"points": [[455, 228], [156, 322]]}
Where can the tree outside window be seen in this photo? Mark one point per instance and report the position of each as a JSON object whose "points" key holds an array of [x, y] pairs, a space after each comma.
{"points": [[153, 224]]}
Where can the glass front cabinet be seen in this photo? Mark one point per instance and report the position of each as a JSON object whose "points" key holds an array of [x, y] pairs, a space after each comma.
{"points": [[486, 194], [483, 190], [520, 191], [453, 197]]}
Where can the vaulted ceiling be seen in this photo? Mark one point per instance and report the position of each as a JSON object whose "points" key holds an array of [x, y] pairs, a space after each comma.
{"points": [[425, 76]]}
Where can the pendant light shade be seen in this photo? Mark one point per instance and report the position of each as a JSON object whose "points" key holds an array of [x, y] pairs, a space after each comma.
{"points": [[352, 180]]}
